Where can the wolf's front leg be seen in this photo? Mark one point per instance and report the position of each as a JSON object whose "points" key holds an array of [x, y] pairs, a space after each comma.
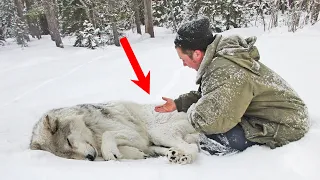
{"points": [[109, 147], [129, 152]]}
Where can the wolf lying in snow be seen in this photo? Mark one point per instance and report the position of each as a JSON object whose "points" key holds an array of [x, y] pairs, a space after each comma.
{"points": [[115, 130]]}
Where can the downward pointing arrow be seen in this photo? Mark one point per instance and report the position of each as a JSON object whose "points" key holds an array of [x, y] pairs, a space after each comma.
{"points": [[143, 81]]}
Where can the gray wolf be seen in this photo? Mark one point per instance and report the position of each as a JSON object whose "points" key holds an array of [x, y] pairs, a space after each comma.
{"points": [[115, 130]]}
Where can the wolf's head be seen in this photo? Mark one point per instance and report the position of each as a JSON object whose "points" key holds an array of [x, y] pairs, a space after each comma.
{"points": [[67, 138]]}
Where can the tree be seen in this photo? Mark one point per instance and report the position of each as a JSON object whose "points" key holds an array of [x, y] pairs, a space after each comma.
{"points": [[19, 8], [1, 37], [72, 14], [32, 18], [294, 15], [148, 18], [112, 6], [137, 15], [274, 13], [7, 15], [50, 13], [20, 25], [173, 17], [315, 11], [88, 6]]}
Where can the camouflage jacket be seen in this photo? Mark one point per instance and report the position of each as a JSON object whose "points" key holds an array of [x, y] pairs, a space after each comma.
{"points": [[235, 87]]}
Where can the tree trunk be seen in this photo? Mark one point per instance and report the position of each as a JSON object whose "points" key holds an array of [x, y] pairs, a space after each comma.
{"points": [[1, 35], [112, 4], [49, 23], [315, 11], [148, 18], [295, 16], [34, 28], [92, 16], [274, 15], [137, 15], [46, 4], [52, 22], [115, 34], [260, 12], [44, 27], [282, 6], [263, 20], [19, 8], [21, 24]]}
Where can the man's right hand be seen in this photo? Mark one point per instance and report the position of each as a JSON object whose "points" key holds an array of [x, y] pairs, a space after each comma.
{"points": [[169, 106]]}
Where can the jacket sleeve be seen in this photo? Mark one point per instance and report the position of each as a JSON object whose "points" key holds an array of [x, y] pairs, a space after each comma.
{"points": [[227, 93], [184, 101]]}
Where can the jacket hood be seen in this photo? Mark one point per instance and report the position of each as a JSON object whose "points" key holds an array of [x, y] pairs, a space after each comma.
{"points": [[234, 48]]}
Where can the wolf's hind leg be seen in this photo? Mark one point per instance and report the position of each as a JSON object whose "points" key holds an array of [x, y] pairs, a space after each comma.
{"points": [[109, 147], [180, 151], [192, 138], [129, 152]]}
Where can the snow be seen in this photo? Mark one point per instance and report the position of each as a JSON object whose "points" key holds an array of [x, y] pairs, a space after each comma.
{"points": [[41, 76]]}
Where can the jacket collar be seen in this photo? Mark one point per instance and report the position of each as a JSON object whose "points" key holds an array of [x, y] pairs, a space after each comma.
{"points": [[209, 54]]}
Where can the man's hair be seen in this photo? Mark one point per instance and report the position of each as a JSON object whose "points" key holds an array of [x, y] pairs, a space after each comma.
{"points": [[188, 52], [194, 35]]}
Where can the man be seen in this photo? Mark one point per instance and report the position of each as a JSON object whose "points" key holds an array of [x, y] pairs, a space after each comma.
{"points": [[240, 102]]}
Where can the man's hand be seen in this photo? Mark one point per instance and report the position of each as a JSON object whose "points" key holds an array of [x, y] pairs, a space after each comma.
{"points": [[169, 106]]}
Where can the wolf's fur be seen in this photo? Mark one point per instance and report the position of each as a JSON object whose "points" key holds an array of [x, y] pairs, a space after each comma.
{"points": [[115, 130]]}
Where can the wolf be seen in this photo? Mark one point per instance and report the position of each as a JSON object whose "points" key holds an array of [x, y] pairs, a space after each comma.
{"points": [[115, 130]]}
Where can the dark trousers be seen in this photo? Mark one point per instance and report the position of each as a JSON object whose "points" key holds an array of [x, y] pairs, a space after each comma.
{"points": [[232, 141]]}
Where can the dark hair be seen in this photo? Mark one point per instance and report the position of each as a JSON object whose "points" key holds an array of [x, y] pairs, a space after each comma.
{"points": [[188, 52], [194, 35]]}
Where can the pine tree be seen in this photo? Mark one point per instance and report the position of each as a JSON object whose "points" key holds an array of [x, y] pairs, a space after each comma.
{"points": [[115, 16], [7, 16], [315, 11], [160, 12], [13, 22], [20, 32], [170, 14], [87, 37], [21, 29], [112, 17], [72, 15]]}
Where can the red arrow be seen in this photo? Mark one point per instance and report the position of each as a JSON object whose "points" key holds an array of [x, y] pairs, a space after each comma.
{"points": [[143, 82]]}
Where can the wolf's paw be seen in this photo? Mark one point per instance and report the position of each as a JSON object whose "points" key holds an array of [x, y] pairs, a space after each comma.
{"points": [[109, 155], [177, 156]]}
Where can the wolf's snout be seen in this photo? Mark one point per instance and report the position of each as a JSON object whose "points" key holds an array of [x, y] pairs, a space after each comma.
{"points": [[90, 157]]}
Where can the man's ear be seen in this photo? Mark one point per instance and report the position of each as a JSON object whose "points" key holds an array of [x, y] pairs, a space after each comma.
{"points": [[198, 55], [51, 123]]}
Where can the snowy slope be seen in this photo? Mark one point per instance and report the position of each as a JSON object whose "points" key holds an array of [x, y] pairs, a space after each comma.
{"points": [[42, 77]]}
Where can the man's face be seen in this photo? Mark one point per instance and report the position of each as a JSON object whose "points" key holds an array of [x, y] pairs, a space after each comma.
{"points": [[193, 62]]}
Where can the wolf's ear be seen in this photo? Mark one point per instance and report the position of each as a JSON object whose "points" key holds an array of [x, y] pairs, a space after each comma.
{"points": [[35, 146], [51, 124]]}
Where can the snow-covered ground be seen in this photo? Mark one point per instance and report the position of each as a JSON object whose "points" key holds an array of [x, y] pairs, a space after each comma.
{"points": [[41, 77]]}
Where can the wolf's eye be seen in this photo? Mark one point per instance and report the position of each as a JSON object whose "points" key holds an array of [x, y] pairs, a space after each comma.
{"points": [[69, 142]]}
